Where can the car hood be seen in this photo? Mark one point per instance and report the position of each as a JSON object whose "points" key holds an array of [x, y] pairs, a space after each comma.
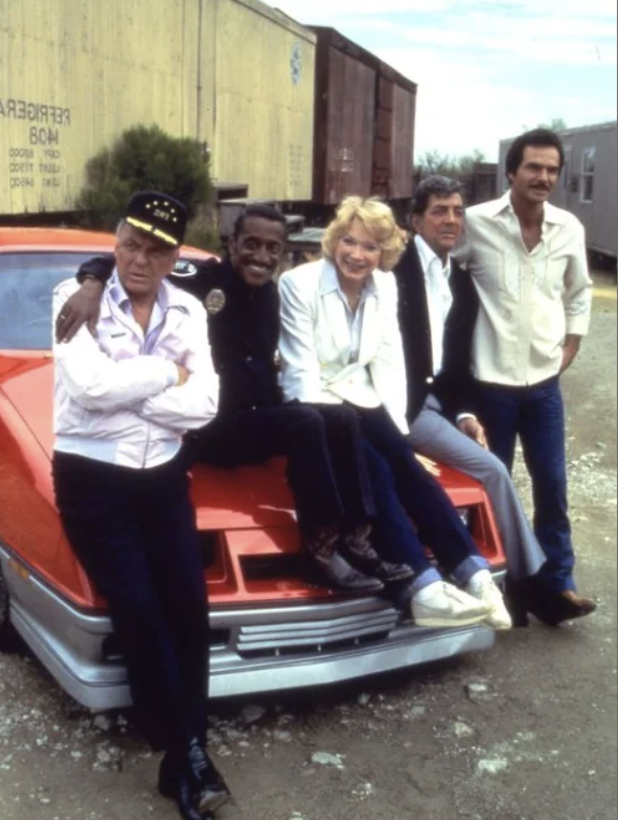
{"points": [[27, 382]]}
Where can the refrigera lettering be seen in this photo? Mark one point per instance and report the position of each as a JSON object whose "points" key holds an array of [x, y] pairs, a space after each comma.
{"points": [[34, 112]]}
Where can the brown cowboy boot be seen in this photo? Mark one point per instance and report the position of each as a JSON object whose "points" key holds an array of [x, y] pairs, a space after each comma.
{"points": [[331, 567], [363, 556]]}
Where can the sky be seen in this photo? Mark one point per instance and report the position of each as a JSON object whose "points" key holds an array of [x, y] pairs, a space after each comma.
{"points": [[485, 69]]}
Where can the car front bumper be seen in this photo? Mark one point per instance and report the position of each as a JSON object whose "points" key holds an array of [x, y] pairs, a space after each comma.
{"points": [[255, 649]]}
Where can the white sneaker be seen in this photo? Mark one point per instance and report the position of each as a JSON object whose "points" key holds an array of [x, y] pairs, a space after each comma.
{"points": [[442, 604], [483, 587]]}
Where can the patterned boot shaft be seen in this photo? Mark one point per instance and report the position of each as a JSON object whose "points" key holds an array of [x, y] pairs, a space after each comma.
{"points": [[359, 550]]}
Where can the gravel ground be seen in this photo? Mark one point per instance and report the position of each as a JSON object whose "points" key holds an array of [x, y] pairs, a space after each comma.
{"points": [[526, 731]]}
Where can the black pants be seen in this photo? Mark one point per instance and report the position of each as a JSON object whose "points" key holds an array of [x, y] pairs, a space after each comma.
{"points": [[325, 465], [134, 532]]}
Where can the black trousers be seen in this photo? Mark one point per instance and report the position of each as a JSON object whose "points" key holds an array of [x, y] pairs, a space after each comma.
{"points": [[326, 468], [134, 532]]}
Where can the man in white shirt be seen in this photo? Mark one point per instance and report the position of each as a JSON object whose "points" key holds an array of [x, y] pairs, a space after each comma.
{"points": [[123, 398], [437, 311], [527, 260]]}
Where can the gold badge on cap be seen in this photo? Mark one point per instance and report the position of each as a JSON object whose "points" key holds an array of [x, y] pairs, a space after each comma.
{"points": [[214, 301]]}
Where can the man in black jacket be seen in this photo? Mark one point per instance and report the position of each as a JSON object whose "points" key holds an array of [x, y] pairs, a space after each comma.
{"points": [[438, 306], [326, 467]]}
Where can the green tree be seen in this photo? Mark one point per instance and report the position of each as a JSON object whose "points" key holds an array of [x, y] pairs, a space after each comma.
{"points": [[143, 158], [555, 124], [433, 162]]}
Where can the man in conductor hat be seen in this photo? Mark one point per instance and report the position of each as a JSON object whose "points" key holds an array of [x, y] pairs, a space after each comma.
{"points": [[124, 396]]}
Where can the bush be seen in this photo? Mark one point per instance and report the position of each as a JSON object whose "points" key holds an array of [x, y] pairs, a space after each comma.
{"points": [[143, 158]]}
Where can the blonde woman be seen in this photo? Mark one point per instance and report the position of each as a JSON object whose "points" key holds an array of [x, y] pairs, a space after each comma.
{"points": [[340, 344]]}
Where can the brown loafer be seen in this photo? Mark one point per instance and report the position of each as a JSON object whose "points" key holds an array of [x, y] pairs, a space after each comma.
{"points": [[554, 608], [551, 607], [578, 606]]}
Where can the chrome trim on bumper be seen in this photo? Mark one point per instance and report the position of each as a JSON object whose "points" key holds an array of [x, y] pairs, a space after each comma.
{"points": [[267, 648]]}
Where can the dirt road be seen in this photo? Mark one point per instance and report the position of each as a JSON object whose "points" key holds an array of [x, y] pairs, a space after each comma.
{"points": [[526, 731]]}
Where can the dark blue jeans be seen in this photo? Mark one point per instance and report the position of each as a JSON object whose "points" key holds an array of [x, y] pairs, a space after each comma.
{"points": [[536, 414], [404, 491]]}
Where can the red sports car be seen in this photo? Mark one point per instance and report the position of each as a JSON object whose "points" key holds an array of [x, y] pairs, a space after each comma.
{"points": [[270, 629]]}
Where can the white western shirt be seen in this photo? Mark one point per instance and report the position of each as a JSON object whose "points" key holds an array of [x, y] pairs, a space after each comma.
{"points": [[116, 397], [529, 300]]}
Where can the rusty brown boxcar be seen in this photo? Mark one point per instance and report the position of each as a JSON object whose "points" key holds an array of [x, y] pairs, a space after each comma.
{"points": [[364, 123]]}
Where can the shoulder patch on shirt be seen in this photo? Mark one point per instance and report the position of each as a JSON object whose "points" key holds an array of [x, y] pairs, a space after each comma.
{"points": [[183, 269]]}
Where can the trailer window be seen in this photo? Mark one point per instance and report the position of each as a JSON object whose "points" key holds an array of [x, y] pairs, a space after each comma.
{"points": [[588, 162], [566, 168]]}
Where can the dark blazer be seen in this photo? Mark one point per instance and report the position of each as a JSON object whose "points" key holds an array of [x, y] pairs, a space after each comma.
{"points": [[452, 386], [243, 330]]}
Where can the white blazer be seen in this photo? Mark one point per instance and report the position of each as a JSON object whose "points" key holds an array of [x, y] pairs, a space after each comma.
{"points": [[315, 343]]}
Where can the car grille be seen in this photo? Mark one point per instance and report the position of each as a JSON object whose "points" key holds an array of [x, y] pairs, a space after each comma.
{"points": [[291, 638]]}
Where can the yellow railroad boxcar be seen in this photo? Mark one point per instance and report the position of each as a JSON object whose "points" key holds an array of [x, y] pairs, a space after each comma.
{"points": [[234, 74], [262, 120]]}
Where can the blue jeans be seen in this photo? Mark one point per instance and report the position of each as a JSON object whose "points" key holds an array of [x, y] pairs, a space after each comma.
{"points": [[536, 414], [404, 491]]}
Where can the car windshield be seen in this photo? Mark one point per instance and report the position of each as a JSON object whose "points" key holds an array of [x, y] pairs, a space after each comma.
{"points": [[27, 281]]}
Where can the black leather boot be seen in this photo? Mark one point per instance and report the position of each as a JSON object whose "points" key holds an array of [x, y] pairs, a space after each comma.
{"points": [[191, 778], [177, 787], [327, 566], [359, 551]]}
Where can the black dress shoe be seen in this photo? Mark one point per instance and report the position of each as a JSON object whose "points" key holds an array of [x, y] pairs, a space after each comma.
{"points": [[176, 786], [193, 781]]}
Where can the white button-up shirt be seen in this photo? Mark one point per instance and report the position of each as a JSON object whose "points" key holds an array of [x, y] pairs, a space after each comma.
{"points": [[116, 397], [353, 317], [529, 300], [439, 297]]}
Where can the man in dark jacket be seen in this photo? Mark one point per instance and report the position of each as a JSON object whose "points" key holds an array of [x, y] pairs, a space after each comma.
{"points": [[438, 305], [326, 467]]}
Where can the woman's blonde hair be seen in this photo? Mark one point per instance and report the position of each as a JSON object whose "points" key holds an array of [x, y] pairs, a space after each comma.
{"points": [[377, 219]]}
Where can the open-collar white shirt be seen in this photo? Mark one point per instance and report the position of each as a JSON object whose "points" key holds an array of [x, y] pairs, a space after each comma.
{"points": [[439, 297], [354, 317], [529, 300]]}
